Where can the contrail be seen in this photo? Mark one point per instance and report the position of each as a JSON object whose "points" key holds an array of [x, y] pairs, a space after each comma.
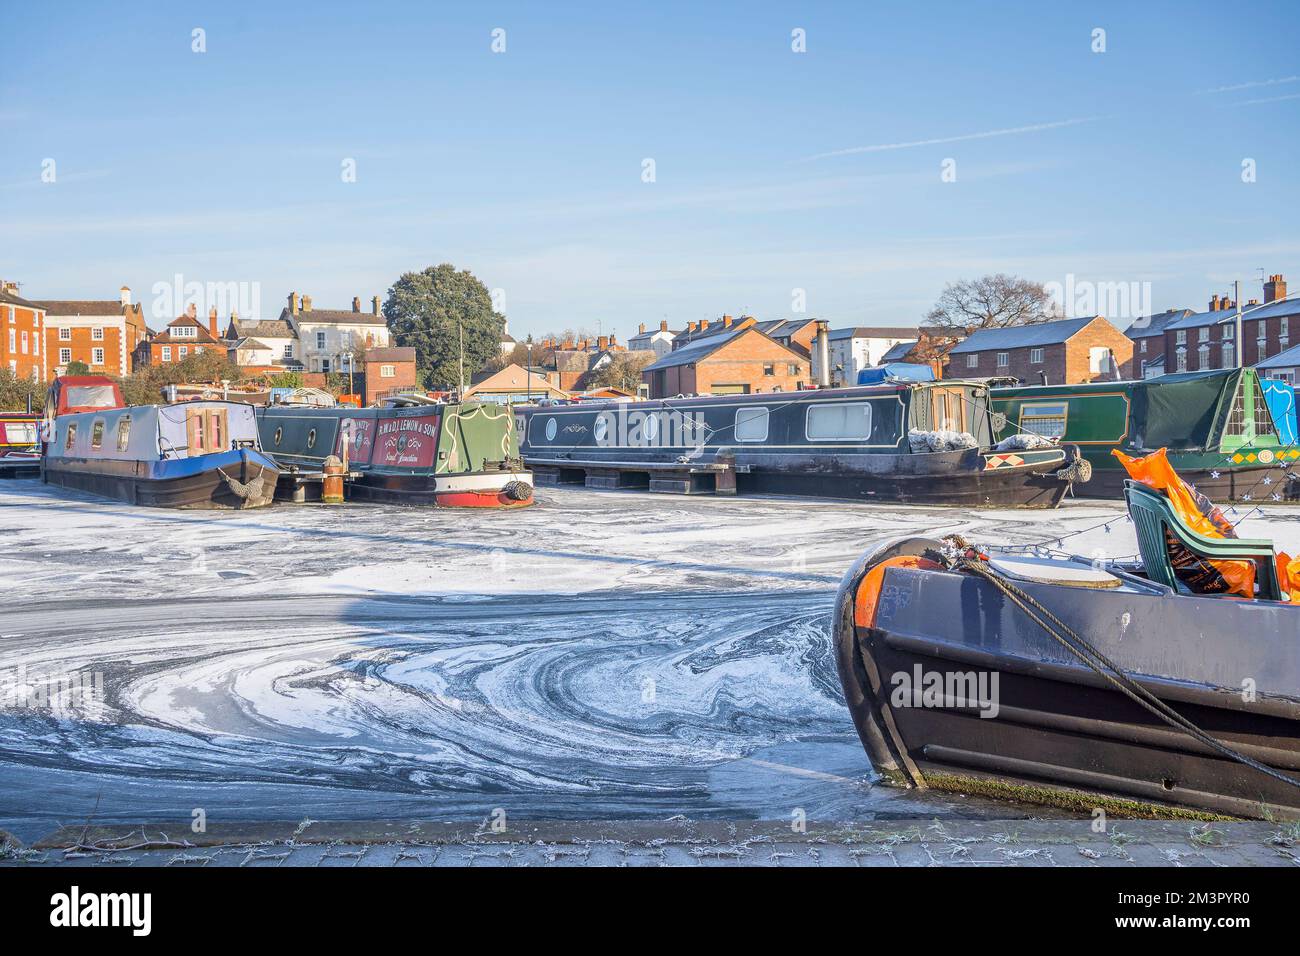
{"points": [[1252, 84], [986, 134]]}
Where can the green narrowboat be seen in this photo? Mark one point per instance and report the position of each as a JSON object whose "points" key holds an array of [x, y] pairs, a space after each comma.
{"points": [[1216, 425]]}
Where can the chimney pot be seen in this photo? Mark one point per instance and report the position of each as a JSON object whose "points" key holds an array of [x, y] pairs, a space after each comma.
{"points": [[640, 329], [356, 303], [374, 305], [726, 321], [602, 343], [293, 303], [704, 324], [1214, 302], [1275, 288], [192, 310], [125, 294], [663, 325], [306, 303]]}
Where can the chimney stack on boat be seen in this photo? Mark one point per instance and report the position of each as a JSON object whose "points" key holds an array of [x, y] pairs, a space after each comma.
{"points": [[823, 353]]}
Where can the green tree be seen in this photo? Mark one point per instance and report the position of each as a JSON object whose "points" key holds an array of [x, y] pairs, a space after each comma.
{"points": [[622, 371], [287, 380], [76, 367], [16, 389], [447, 317]]}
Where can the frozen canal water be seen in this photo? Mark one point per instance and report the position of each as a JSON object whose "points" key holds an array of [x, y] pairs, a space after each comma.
{"points": [[602, 656]]}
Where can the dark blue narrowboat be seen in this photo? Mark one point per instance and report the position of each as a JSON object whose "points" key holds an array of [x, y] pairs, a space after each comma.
{"points": [[899, 441]]}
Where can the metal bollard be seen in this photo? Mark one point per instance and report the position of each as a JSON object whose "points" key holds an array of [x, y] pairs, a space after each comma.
{"points": [[332, 487]]}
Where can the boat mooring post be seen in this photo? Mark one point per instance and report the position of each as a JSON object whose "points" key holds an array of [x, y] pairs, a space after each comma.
{"points": [[332, 486]]}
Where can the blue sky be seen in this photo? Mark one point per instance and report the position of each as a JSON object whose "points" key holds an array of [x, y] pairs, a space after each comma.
{"points": [[774, 170]]}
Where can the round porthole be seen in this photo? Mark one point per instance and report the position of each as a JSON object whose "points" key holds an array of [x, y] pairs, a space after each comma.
{"points": [[311, 438], [651, 428], [552, 427], [279, 433], [601, 428]]}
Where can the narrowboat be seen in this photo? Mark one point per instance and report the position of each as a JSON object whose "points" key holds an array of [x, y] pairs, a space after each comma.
{"points": [[20, 445], [898, 441], [191, 455], [436, 453], [1047, 678], [1217, 427]]}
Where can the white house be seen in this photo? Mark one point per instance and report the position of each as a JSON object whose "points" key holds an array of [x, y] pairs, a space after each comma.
{"points": [[262, 343], [659, 341], [329, 338]]}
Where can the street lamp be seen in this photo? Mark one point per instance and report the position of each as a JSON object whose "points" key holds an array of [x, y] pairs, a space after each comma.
{"points": [[529, 370]]}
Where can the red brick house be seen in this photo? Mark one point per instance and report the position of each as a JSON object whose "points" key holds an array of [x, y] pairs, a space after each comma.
{"points": [[1066, 351], [389, 371], [740, 360], [183, 337], [1208, 340], [101, 333], [22, 329]]}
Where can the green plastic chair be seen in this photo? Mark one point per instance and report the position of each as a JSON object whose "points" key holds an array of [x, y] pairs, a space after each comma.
{"points": [[1152, 514]]}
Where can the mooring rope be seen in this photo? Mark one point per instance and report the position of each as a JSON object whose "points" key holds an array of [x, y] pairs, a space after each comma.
{"points": [[1100, 664]]}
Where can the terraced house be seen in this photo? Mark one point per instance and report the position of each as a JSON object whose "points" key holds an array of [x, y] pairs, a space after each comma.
{"points": [[103, 334], [1064, 352], [22, 327]]}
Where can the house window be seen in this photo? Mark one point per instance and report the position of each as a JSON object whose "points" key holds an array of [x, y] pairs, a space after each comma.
{"points": [[792, 369], [1098, 359], [387, 371], [320, 340], [1044, 419], [24, 341], [166, 353], [97, 335], [973, 360], [751, 424], [288, 350], [65, 335], [769, 369], [123, 432], [65, 356], [1003, 360], [182, 351], [97, 434], [325, 366], [1142, 346], [13, 340], [1204, 334], [71, 438], [1180, 337], [1203, 356], [36, 344], [1261, 346], [1229, 331], [96, 356], [1036, 356], [842, 421], [1182, 360], [1229, 355], [185, 331], [1282, 327]]}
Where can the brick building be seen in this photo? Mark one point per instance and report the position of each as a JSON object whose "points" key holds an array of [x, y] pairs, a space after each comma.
{"points": [[389, 371], [1064, 352], [740, 360], [184, 336], [22, 329], [101, 333], [1181, 340]]}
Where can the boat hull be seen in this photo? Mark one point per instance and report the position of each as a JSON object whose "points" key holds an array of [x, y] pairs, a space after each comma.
{"points": [[207, 482], [1229, 483], [489, 489], [1053, 730]]}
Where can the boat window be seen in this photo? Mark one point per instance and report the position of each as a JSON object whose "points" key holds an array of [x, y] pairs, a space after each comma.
{"points": [[1046, 419], [71, 437], [279, 433], [90, 396], [311, 438], [650, 427], [206, 429], [844, 421], [97, 434], [552, 428], [600, 429], [751, 424], [123, 432]]}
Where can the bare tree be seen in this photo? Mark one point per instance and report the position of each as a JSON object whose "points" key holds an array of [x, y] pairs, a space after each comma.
{"points": [[990, 302], [623, 371]]}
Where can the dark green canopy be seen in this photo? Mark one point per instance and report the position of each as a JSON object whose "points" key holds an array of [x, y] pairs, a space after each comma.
{"points": [[1185, 410]]}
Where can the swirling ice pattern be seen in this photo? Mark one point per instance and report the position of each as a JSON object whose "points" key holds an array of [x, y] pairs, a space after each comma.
{"points": [[606, 705]]}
